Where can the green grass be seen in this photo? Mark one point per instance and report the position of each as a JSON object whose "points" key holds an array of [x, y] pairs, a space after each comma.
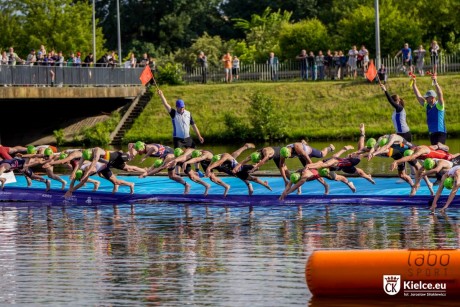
{"points": [[326, 110]]}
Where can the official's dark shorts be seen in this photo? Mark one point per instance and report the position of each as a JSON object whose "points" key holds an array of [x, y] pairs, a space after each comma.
{"points": [[186, 143], [406, 135], [438, 137]]}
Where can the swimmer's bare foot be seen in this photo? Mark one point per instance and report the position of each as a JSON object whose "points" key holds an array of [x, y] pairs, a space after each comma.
{"points": [[64, 183], [206, 189], [348, 147], [362, 129], [227, 188], [299, 191], [371, 180], [2, 182], [443, 147], [250, 189], [96, 185], [267, 186], [352, 186], [187, 188], [249, 145], [29, 181], [332, 147], [131, 188], [48, 185], [115, 188]]}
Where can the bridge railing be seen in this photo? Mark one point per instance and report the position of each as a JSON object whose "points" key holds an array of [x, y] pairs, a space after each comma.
{"points": [[25, 75]]}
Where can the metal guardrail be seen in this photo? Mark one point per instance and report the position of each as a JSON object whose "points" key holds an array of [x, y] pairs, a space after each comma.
{"points": [[290, 69], [37, 75]]}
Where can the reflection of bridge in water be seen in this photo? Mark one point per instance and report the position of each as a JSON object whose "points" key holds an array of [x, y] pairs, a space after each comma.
{"points": [[81, 97]]}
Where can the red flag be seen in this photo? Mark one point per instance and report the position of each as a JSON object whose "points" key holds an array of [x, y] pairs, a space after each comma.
{"points": [[146, 75], [371, 71]]}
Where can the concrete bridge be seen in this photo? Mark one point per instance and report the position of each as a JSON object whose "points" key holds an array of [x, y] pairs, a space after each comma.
{"points": [[30, 113]]}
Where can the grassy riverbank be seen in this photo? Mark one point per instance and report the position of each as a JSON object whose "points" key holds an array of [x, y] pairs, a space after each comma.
{"points": [[315, 110]]}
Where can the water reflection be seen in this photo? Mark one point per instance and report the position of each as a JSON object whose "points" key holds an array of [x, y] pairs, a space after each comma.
{"points": [[174, 254]]}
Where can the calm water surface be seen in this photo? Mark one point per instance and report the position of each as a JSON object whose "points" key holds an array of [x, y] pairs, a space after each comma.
{"points": [[175, 255]]}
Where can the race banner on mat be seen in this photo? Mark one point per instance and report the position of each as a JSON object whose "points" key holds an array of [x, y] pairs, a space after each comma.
{"points": [[10, 177]]}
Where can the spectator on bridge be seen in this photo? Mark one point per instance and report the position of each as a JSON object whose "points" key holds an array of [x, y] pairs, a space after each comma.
{"points": [[31, 58], [102, 62], [77, 60], [60, 59], [13, 58], [112, 60], [144, 61], [4, 58], [89, 60], [71, 59]]}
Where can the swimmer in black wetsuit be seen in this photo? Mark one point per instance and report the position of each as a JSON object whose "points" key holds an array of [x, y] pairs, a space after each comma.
{"points": [[20, 164]]}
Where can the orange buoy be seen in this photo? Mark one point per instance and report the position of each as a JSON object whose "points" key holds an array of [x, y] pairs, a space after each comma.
{"points": [[361, 273]]}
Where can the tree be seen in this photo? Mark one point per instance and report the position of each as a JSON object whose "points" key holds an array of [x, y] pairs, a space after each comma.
{"points": [[57, 24], [263, 31], [169, 25], [306, 34]]}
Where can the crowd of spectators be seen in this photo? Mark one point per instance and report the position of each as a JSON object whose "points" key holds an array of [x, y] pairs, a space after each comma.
{"points": [[74, 59]]}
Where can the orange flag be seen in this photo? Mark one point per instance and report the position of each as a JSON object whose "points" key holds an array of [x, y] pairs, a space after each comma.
{"points": [[371, 71], [146, 75]]}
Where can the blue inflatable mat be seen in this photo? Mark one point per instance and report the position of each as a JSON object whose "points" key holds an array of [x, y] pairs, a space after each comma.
{"points": [[386, 191]]}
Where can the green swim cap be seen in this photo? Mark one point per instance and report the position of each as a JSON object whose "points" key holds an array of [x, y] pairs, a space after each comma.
{"points": [[295, 177], [449, 183], [31, 149], [255, 157], [323, 172], [429, 163], [158, 163], [139, 146], [383, 142], [370, 143], [285, 152], [408, 152], [78, 174], [216, 158], [178, 152], [48, 152], [87, 154], [196, 153], [63, 155]]}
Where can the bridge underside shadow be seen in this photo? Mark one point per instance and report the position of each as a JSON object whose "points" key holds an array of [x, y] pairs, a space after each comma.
{"points": [[24, 121]]}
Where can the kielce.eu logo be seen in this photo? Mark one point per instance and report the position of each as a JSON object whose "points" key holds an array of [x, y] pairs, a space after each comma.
{"points": [[391, 284]]}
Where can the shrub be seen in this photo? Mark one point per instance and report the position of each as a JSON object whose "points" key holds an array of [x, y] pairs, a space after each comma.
{"points": [[266, 118], [59, 135], [170, 74]]}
